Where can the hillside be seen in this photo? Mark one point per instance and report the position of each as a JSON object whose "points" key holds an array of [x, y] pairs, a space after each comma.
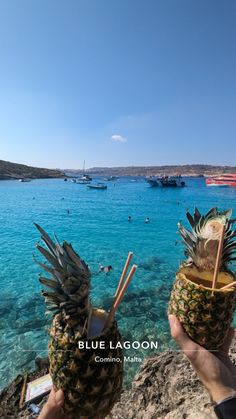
{"points": [[10, 170], [185, 170]]}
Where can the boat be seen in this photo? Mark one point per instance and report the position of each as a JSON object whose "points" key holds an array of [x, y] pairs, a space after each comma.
{"points": [[97, 186], [24, 180], [81, 181], [111, 178], [85, 178], [172, 182], [227, 179], [153, 181], [166, 181]]}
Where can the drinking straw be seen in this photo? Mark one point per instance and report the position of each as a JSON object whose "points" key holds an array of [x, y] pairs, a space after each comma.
{"points": [[233, 284], [218, 257], [117, 302], [21, 402], [129, 257]]}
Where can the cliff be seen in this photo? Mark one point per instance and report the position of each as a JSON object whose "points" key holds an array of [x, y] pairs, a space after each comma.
{"points": [[166, 387], [10, 170]]}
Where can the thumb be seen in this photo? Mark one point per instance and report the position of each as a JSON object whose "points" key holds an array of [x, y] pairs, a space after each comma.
{"points": [[53, 405], [189, 347]]}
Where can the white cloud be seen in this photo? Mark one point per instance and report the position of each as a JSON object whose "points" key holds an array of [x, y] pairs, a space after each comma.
{"points": [[118, 138]]}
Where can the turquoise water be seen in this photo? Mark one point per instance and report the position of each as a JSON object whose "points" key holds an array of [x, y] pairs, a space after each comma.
{"points": [[98, 229]]}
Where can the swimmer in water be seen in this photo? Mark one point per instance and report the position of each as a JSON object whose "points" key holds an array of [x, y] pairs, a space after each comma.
{"points": [[147, 220], [105, 269], [129, 218]]}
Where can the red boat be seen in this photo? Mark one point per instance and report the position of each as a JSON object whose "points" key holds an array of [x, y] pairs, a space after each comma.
{"points": [[222, 180]]}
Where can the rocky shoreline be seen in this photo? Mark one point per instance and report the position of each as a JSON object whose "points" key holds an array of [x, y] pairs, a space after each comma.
{"points": [[14, 171], [165, 387]]}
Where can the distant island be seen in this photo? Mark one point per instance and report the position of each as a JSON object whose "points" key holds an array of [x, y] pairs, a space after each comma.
{"points": [[10, 171], [193, 170]]}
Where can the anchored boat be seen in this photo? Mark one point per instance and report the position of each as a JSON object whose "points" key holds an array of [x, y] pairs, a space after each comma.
{"points": [[166, 181], [172, 182], [228, 179], [97, 186]]}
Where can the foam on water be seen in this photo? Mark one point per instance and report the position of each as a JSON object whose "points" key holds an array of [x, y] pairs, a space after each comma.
{"points": [[98, 229]]}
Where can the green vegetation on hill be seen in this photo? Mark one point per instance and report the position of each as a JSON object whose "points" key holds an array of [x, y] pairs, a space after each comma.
{"points": [[10, 170]]}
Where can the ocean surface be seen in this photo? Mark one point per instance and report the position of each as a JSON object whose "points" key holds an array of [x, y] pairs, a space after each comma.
{"points": [[98, 229]]}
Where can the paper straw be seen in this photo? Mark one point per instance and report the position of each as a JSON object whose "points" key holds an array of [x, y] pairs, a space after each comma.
{"points": [[218, 257], [129, 257], [120, 296]]}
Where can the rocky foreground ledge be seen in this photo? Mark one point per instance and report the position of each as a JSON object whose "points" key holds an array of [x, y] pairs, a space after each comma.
{"points": [[166, 387]]}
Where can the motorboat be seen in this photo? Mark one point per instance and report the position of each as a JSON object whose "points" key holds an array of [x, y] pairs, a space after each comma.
{"points": [[97, 186], [24, 180], [166, 181], [81, 181], [153, 181], [172, 182], [227, 179], [112, 178]]}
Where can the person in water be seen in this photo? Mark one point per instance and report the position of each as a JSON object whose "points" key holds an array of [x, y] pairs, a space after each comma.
{"points": [[105, 269], [147, 220], [129, 218]]}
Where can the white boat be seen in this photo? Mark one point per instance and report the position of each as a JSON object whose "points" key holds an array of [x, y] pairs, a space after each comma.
{"points": [[97, 186], [24, 180], [111, 178], [81, 181], [84, 178]]}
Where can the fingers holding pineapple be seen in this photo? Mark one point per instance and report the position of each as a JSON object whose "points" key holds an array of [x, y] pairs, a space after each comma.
{"points": [[53, 407], [202, 297], [189, 347], [215, 370]]}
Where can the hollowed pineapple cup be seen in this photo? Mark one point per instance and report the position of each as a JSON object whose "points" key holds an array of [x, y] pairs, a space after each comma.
{"points": [[90, 383], [205, 314]]}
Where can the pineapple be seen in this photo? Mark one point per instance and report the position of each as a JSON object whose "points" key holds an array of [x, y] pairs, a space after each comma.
{"points": [[205, 313], [91, 388]]}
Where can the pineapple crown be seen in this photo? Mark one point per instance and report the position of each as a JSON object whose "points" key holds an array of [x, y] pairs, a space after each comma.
{"points": [[201, 243], [69, 281]]}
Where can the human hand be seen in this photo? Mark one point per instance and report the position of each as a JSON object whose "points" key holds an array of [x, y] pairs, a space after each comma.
{"points": [[53, 407], [215, 370]]}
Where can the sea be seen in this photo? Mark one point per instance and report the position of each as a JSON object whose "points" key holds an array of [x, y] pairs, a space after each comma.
{"points": [[96, 223]]}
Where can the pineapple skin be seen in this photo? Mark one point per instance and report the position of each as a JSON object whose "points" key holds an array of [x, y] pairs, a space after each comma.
{"points": [[91, 388], [206, 316]]}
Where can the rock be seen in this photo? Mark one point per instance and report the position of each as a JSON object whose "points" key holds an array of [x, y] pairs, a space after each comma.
{"points": [[166, 387], [42, 363]]}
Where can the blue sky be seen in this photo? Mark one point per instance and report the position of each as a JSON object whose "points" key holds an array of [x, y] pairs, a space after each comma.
{"points": [[117, 82]]}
